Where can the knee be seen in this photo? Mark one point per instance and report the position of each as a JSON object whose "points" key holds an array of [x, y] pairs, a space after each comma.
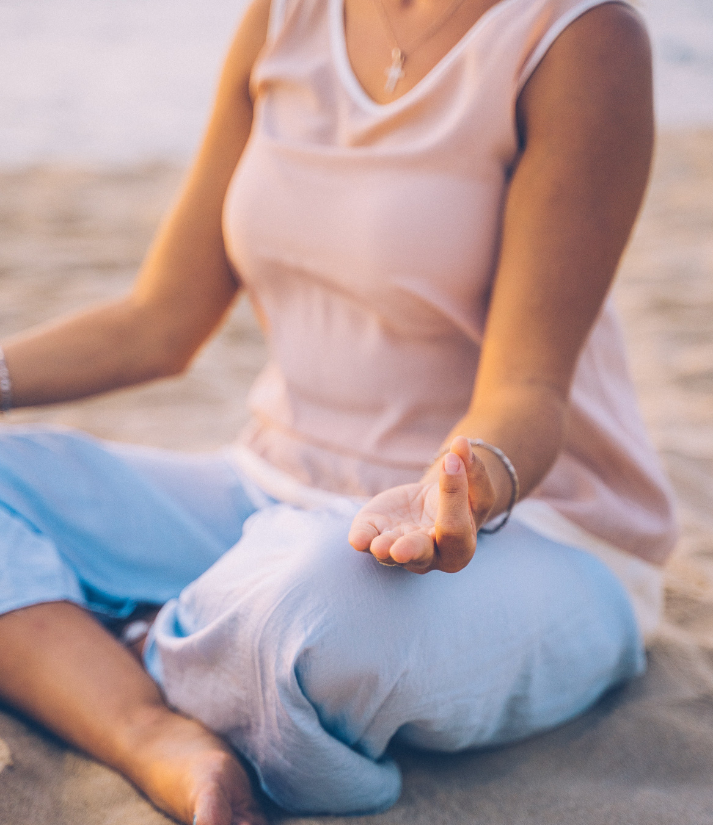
{"points": [[265, 649], [277, 595], [296, 600]]}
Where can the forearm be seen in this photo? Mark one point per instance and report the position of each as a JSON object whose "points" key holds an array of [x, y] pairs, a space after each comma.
{"points": [[109, 346], [186, 284]]}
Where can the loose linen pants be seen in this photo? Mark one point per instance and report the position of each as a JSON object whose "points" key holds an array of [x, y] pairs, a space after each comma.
{"points": [[307, 656]]}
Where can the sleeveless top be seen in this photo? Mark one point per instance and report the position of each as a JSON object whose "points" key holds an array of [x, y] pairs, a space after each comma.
{"points": [[366, 236]]}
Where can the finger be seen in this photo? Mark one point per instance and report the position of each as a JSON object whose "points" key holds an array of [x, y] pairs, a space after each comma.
{"points": [[415, 551], [361, 534], [461, 447], [480, 488], [382, 544], [454, 528]]}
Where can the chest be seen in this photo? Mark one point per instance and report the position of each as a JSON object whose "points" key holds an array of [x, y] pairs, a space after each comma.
{"points": [[396, 206]]}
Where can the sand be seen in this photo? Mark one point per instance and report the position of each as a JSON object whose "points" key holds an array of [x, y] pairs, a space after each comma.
{"points": [[644, 754]]}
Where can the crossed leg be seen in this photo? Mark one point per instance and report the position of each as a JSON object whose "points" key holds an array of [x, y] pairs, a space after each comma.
{"points": [[310, 657], [62, 668], [86, 522], [306, 656]]}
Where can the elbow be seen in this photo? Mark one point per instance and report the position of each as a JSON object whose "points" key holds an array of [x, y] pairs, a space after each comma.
{"points": [[160, 348], [169, 359]]}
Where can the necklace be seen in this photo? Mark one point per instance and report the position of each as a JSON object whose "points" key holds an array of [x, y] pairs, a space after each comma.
{"points": [[399, 53]]}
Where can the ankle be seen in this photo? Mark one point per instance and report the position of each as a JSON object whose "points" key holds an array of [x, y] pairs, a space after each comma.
{"points": [[142, 729], [171, 758]]}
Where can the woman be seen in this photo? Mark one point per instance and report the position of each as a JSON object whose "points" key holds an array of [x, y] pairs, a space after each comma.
{"points": [[426, 202]]}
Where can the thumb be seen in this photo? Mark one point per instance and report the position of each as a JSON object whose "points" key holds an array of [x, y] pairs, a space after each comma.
{"points": [[454, 528]]}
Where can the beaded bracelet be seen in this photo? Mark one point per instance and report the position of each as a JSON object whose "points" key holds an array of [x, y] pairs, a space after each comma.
{"points": [[514, 481], [5, 385]]}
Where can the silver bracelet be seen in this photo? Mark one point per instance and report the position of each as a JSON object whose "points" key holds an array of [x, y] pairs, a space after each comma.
{"points": [[514, 481], [5, 385]]}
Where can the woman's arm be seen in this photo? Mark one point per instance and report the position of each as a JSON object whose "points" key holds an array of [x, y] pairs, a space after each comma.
{"points": [[185, 285], [587, 128]]}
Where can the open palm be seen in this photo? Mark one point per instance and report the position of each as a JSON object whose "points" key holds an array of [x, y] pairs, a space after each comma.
{"points": [[428, 525]]}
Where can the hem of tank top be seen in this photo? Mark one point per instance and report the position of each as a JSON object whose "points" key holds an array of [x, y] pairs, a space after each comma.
{"points": [[285, 488], [336, 449]]}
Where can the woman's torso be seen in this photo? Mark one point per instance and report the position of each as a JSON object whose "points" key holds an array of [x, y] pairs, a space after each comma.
{"points": [[367, 236]]}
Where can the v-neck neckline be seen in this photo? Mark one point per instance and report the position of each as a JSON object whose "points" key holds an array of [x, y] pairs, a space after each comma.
{"points": [[338, 43]]}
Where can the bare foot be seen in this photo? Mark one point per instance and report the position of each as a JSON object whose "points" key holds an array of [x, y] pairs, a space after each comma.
{"points": [[190, 773], [185, 769], [60, 666]]}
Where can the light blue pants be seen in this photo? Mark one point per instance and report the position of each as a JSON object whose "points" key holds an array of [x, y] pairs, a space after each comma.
{"points": [[307, 656]]}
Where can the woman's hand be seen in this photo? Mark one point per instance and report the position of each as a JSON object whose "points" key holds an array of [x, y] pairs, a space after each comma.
{"points": [[432, 524]]}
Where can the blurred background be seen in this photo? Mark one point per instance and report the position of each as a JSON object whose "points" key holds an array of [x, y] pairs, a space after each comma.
{"points": [[106, 82]]}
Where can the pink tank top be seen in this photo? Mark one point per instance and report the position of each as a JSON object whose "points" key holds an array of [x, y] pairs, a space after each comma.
{"points": [[367, 236]]}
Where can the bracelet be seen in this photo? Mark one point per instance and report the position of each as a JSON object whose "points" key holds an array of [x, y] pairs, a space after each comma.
{"points": [[5, 385], [514, 481]]}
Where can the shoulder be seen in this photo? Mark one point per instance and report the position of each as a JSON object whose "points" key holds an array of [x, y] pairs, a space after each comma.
{"points": [[246, 45], [597, 71], [602, 40]]}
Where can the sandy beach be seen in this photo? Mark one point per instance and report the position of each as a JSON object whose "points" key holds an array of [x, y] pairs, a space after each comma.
{"points": [[644, 755]]}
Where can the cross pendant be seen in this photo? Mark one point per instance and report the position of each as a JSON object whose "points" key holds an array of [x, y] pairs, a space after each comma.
{"points": [[396, 70]]}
